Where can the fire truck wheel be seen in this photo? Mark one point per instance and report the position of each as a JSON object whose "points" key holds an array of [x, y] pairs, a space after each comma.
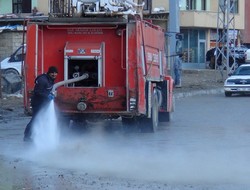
{"points": [[155, 113], [151, 124]]}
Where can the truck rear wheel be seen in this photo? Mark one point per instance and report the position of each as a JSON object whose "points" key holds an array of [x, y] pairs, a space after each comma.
{"points": [[11, 72], [151, 124], [155, 113]]}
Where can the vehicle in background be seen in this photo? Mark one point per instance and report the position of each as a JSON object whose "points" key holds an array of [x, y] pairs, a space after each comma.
{"points": [[238, 82], [210, 59], [247, 56], [13, 63], [238, 52]]}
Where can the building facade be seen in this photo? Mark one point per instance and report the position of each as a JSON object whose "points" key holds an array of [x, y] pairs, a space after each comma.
{"points": [[246, 32], [198, 22]]}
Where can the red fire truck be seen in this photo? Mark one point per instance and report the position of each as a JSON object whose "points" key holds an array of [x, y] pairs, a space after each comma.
{"points": [[111, 62]]}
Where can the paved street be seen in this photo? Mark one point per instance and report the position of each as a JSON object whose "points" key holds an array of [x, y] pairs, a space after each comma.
{"points": [[206, 146]]}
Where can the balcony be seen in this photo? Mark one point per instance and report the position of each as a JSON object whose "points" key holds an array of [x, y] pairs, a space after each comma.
{"points": [[206, 19]]}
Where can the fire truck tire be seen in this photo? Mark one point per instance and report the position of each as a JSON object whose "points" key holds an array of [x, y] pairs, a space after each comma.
{"points": [[11, 72], [151, 124], [155, 113]]}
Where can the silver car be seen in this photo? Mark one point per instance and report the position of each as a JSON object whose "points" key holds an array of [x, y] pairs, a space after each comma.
{"points": [[238, 82]]}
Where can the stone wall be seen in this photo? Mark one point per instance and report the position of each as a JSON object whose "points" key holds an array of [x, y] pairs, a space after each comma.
{"points": [[9, 42]]}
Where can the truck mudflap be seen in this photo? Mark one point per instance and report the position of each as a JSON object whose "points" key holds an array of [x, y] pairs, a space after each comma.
{"points": [[165, 90], [167, 105], [170, 95]]}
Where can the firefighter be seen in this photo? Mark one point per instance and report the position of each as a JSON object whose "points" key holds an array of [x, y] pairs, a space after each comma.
{"points": [[42, 95]]}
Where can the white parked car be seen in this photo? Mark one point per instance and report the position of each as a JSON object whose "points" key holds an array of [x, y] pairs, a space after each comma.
{"points": [[13, 64], [247, 56], [239, 81]]}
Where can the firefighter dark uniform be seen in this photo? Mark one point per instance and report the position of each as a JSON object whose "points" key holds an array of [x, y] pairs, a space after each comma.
{"points": [[41, 96]]}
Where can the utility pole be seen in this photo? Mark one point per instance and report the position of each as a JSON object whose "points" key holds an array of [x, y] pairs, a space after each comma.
{"points": [[226, 35], [1, 93], [1, 83], [174, 28]]}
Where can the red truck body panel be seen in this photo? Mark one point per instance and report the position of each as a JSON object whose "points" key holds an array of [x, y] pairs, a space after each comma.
{"points": [[125, 61]]}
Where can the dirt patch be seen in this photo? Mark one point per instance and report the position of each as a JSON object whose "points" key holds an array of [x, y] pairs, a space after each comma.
{"points": [[11, 107], [194, 80]]}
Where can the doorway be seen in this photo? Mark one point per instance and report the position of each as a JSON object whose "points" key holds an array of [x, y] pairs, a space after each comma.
{"points": [[201, 51]]}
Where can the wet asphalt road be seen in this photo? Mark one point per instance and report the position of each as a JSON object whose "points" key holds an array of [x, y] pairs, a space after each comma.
{"points": [[205, 146]]}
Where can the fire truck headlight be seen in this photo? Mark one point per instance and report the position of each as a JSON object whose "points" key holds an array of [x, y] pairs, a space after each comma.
{"points": [[81, 106], [132, 103]]}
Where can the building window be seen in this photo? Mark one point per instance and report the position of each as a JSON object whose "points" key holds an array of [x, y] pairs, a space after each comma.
{"points": [[200, 5], [235, 7], [194, 46], [191, 4], [147, 5], [203, 5], [21, 6]]}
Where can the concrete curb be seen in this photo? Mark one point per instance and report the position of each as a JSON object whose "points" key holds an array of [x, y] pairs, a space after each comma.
{"points": [[198, 92]]}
